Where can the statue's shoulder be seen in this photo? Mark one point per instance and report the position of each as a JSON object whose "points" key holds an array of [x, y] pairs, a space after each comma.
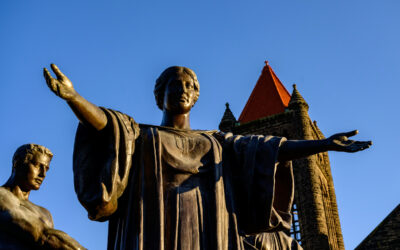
{"points": [[3, 191], [7, 199], [120, 115], [23, 210], [6, 194]]}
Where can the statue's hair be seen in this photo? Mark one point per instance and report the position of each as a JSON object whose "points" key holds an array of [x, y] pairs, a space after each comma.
{"points": [[25, 152], [162, 81]]}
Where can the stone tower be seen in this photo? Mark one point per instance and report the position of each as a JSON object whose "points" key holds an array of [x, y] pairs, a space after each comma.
{"points": [[271, 110]]}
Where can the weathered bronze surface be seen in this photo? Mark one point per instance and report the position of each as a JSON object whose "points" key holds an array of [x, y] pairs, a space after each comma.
{"points": [[170, 187], [24, 225]]}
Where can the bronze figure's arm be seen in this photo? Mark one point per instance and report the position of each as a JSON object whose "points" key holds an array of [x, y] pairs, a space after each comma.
{"points": [[87, 112], [293, 149], [56, 239]]}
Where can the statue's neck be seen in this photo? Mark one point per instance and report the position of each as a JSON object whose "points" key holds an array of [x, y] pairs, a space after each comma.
{"points": [[179, 121], [16, 189]]}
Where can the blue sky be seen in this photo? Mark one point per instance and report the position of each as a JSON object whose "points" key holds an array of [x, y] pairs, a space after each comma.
{"points": [[343, 56]]}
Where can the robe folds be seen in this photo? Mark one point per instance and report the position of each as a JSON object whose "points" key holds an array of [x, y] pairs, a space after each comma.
{"points": [[165, 188]]}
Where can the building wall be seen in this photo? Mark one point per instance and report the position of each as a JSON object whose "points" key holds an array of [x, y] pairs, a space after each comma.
{"points": [[386, 235], [314, 192]]}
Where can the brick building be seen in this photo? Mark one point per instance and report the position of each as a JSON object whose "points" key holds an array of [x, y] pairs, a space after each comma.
{"points": [[271, 110]]}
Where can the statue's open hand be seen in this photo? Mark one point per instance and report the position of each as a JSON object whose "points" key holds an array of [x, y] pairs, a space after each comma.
{"points": [[61, 86], [340, 142]]}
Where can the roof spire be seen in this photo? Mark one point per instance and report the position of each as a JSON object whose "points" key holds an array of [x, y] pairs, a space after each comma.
{"points": [[297, 100], [228, 120], [269, 97]]}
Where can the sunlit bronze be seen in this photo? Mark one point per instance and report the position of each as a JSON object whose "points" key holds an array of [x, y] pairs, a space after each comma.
{"points": [[171, 187], [24, 225]]}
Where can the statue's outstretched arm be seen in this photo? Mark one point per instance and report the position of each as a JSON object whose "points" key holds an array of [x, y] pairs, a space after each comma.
{"points": [[291, 149], [87, 112]]}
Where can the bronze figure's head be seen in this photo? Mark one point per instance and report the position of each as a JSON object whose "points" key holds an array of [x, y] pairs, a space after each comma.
{"points": [[30, 164], [177, 89]]}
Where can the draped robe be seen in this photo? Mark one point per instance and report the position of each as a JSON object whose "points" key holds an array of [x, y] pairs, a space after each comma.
{"points": [[165, 188]]}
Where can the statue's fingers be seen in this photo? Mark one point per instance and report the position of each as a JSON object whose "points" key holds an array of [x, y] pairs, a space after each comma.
{"points": [[367, 144], [58, 89], [57, 71], [46, 74], [53, 86], [50, 80], [351, 133], [362, 148], [361, 145]]}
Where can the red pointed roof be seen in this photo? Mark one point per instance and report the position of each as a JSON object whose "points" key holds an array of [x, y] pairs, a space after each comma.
{"points": [[269, 97]]}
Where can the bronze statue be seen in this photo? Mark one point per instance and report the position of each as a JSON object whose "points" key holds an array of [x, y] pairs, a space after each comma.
{"points": [[24, 225], [170, 187]]}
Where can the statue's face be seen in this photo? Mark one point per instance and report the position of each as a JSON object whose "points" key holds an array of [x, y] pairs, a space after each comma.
{"points": [[179, 95], [32, 174]]}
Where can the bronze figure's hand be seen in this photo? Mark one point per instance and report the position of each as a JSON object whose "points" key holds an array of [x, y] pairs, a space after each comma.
{"points": [[88, 113], [61, 86], [340, 142]]}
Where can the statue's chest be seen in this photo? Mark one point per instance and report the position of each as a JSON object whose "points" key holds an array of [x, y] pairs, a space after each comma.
{"points": [[39, 212], [185, 151]]}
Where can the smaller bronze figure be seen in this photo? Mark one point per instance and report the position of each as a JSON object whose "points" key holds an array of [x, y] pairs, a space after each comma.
{"points": [[24, 225]]}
